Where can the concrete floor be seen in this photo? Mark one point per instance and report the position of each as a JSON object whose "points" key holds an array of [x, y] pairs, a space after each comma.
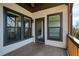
{"points": [[38, 49]]}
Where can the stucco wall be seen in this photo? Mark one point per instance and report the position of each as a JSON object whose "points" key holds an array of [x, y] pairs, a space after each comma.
{"points": [[44, 13]]}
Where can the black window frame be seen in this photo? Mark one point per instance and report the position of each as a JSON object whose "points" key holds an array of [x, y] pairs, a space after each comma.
{"points": [[5, 9], [61, 26], [30, 26]]}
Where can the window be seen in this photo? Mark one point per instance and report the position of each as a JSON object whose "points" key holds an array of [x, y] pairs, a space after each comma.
{"points": [[27, 27], [54, 27], [13, 27], [75, 21]]}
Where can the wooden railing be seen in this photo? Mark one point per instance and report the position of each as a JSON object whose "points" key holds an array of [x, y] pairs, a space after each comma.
{"points": [[72, 46]]}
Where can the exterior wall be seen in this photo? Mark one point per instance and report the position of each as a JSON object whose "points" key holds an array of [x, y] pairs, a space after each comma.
{"points": [[44, 13], [9, 48]]}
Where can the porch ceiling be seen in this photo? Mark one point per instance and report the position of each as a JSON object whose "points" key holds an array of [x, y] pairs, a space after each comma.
{"points": [[34, 7]]}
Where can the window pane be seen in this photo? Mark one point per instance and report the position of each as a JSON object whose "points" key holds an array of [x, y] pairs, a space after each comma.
{"points": [[18, 28], [27, 33], [54, 21], [54, 33], [13, 27], [54, 30], [54, 24], [10, 21], [54, 27], [27, 27], [54, 18], [27, 24], [18, 21]]}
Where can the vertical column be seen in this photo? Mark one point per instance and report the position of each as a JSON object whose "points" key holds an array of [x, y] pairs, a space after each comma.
{"points": [[1, 26], [70, 18], [33, 30], [45, 33]]}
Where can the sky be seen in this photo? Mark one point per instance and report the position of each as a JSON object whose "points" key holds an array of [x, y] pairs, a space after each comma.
{"points": [[75, 14]]}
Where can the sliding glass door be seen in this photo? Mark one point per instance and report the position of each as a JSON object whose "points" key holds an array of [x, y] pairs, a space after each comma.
{"points": [[55, 27]]}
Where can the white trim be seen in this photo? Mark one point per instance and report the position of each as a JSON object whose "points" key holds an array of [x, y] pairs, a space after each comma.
{"points": [[55, 43], [44, 13], [10, 48]]}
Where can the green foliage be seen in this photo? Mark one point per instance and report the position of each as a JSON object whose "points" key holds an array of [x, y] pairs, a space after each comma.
{"points": [[77, 35], [75, 32]]}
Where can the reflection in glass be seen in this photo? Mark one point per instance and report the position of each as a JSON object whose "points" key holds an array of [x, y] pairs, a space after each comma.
{"points": [[54, 33], [16, 27], [54, 27], [13, 27], [27, 28]]}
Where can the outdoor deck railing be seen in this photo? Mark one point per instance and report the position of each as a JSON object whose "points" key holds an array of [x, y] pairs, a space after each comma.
{"points": [[72, 46]]}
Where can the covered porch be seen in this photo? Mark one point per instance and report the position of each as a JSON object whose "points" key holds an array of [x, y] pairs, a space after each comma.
{"points": [[37, 30]]}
